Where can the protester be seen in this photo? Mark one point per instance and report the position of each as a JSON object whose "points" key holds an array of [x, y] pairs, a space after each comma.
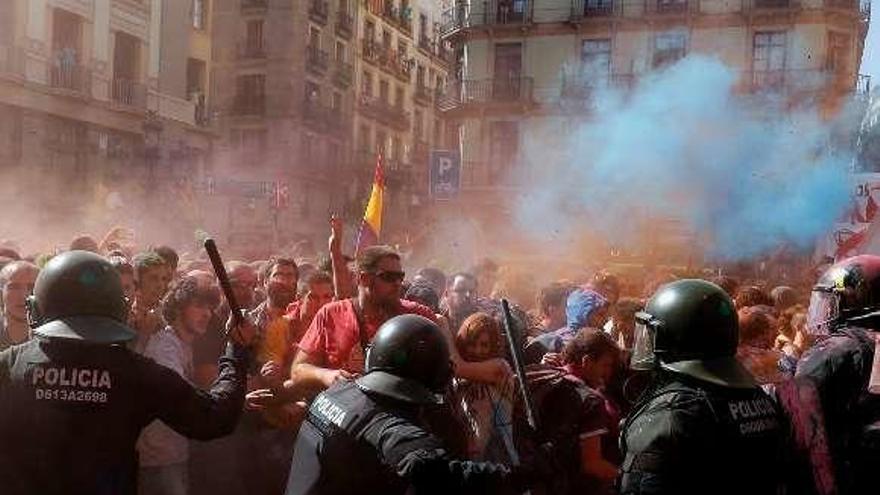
{"points": [[126, 273], [551, 306], [300, 313], [575, 415], [433, 277], [151, 282], [84, 243], [171, 259], [16, 284], [585, 308], [164, 453], [422, 292], [487, 407], [623, 319], [756, 334]]}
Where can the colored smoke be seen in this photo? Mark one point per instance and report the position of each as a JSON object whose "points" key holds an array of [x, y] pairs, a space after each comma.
{"points": [[744, 175]]}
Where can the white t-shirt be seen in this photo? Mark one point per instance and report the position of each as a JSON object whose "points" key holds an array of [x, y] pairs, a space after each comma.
{"points": [[158, 444]]}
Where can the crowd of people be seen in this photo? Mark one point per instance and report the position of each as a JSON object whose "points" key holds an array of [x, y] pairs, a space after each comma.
{"points": [[315, 320]]}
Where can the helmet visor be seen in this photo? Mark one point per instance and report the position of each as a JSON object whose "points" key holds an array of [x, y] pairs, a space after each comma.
{"points": [[824, 311], [643, 358]]}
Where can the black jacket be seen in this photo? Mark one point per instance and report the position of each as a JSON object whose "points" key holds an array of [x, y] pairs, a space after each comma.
{"points": [[689, 437], [356, 442], [71, 413]]}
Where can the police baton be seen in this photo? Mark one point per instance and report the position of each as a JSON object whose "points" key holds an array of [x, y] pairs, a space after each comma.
{"points": [[223, 278], [513, 340]]}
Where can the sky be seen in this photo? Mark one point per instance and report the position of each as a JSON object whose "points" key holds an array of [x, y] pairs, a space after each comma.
{"points": [[871, 57]]}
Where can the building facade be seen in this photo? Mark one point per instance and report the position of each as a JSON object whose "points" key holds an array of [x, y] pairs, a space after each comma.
{"points": [[96, 126], [401, 70], [524, 63]]}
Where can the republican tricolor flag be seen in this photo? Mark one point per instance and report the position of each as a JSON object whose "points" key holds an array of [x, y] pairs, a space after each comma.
{"points": [[371, 225]]}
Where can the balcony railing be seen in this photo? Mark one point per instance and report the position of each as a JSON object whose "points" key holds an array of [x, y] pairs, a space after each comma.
{"points": [[130, 93], [249, 105], [671, 7], [589, 9], [344, 25], [316, 60], [804, 81], [390, 115], [583, 87], [254, 4], [400, 65], [343, 74], [318, 11], [370, 51], [70, 76], [492, 13], [488, 91], [251, 50], [773, 4]]}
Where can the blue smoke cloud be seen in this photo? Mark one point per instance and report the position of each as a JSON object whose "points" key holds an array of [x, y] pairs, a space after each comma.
{"points": [[742, 174]]}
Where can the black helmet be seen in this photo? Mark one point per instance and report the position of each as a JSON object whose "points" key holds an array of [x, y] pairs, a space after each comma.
{"points": [[408, 360], [78, 295], [690, 327], [848, 292]]}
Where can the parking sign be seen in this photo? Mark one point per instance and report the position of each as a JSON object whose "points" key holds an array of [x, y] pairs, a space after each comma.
{"points": [[445, 176]]}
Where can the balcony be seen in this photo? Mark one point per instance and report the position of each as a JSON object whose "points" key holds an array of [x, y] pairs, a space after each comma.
{"points": [[582, 10], [423, 95], [129, 93], [343, 74], [249, 105], [316, 60], [251, 50], [772, 4], [370, 51], [253, 5], [803, 82], [579, 91], [318, 11], [390, 115], [672, 7], [344, 25], [493, 13], [499, 92], [71, 77], [400, 66]]}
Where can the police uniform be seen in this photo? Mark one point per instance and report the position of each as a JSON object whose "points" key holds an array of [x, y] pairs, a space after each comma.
{"points": [[839, 367], [73, 400], [689, 437], [368, 436], [704, 426]]}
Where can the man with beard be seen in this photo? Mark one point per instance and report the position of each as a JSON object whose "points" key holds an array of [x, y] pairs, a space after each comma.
{"points": [[151, 281], [333, 348], [188, 308], [461, 299], [16, 283], [280, 277]]}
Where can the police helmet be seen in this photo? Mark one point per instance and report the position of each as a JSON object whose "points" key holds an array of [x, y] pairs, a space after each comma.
{"points": [[78, 295], [690, 327], [408, 360], [847, 293]]}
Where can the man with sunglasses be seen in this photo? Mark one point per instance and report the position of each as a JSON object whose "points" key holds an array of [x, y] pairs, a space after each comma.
{"points": [[334, 346]]}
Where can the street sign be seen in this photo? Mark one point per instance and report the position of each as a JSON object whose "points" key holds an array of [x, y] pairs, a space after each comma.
{"points": [[445, 174]]}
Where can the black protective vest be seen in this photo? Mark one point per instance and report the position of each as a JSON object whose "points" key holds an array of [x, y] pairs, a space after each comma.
{"points": [[688, 437], [71, 413]]}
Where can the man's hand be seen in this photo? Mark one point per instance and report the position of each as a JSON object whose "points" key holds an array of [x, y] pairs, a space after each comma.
{"points": [[329, 377], [552, 359], [272, 374], [260, 399], [335, 241], [244, 333]]}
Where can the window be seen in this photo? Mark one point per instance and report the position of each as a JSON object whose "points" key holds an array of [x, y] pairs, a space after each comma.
{"points": [[396, 149], [381, 141], [314, 37], [671, 5], [438, 129], [195, 79], [386, 40], [340, 52], [369, 31], [768, 59], [596, 58], [398, 97], [364, 138], [508, 71], [423, 27], [837, 59], [383, 91], [418, 125], [503, 150], [336, 103], [420, 76], [669, 48], [254, 40], [199, 14], [367, 89]]}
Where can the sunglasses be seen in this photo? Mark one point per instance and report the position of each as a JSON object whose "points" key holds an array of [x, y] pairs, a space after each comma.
{"points": [[390, 277]]}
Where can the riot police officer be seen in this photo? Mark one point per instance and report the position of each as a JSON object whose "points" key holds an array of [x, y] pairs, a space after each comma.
{"points": [[74, 398], [368, 435], [844, 315], [703, 425]]}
